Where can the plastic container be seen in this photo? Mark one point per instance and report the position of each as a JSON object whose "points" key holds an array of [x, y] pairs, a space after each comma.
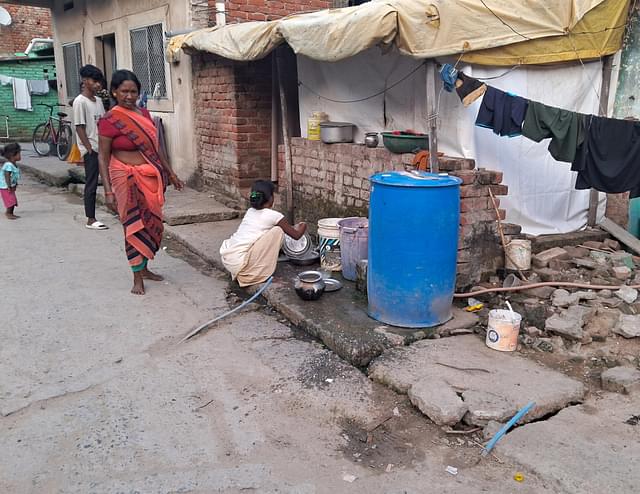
{"points": [[354, 244], [329, 240], [413, 246], [503, 329], [313, 125], [403, 143], [518, 255]]}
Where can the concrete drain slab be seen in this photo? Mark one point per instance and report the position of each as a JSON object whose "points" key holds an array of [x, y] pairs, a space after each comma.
{"points": [[583, 449], [460, 379]]}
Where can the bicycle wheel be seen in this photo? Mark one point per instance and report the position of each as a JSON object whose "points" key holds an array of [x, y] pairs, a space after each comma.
{"points": [[65, 141], [42, 139]]}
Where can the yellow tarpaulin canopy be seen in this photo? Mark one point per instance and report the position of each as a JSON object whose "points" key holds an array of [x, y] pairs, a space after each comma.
{"points": [[600, 32], [418, 28]]}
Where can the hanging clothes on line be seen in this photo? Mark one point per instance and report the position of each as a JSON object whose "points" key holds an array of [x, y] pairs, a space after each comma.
{"points": [[38, 87], [469, 89], [605, 152], [564, 127], [21, 95], [609, 158], [502, 112]]}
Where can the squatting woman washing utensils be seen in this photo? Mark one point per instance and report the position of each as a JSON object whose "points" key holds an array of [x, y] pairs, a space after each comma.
{"points": [[251, 254], [134, 174]]}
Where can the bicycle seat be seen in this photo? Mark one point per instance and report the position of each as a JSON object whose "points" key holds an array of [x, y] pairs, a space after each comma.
{"points": [[62, 114]]}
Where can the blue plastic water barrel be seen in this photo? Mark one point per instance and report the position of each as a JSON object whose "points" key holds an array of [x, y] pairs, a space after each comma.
{"points": [[413, 244]]}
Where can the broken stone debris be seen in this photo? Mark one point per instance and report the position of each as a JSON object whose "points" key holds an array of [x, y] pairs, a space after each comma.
{"points": [[569, 323], [621, 380], [598, 312], [627, 294], [542, 259], [628, 326], [602, 324]]}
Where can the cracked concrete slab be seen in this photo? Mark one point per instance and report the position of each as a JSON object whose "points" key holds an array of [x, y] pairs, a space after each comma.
{"points": [[584, 449], [489, 385], [190, 206]]}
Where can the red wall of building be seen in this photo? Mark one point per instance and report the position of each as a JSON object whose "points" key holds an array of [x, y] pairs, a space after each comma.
{"points": [[267, 10], [28, 23], [233, 104]]}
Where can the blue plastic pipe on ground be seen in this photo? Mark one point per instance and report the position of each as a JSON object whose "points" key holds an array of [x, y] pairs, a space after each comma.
{"points": [[487, 449]]}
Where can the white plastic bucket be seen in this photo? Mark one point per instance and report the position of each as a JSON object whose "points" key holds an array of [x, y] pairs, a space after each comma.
{"points": [[329, 240], [518, 255], [503, 329]]}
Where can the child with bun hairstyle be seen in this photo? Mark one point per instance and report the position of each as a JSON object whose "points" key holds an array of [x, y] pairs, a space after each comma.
{"points": [[251, 254]]}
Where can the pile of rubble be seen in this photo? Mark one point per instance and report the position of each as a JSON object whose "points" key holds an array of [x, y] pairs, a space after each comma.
{"points": [[569, 317]]}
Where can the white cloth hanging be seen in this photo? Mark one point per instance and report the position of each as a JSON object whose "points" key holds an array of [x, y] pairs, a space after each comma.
{"points": [[21, 95]]}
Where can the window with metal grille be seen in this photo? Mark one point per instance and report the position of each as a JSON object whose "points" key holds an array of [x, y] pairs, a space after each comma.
{"points": [[147, 53], [72, 55]]}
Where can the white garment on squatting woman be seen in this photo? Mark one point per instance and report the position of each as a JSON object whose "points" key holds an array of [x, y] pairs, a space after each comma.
{"points": [[251, 254]]}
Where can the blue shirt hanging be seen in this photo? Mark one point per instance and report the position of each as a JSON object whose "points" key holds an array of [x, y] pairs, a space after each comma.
{"points": [[502, 112]]}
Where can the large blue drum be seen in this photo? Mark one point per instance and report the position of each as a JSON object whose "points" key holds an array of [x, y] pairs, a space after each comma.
{"points": [[413, 244]]}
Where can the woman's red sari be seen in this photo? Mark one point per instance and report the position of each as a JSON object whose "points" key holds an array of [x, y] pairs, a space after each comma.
{"points": [[139, 189]]}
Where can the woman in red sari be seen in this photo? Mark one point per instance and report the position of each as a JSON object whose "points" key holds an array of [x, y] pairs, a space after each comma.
{"points": [[134, 174]]}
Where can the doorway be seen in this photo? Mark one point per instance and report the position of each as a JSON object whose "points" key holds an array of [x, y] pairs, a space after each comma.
{"points": [[106, 58]]}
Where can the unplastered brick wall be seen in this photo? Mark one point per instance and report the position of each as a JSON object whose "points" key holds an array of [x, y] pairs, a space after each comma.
{"points": [[267, 10], [22, 122], [232, 122], [618, 208], [333, 181], [27, 23]]}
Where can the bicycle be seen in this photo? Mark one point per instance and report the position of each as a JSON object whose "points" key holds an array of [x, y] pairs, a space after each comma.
{"points": [[49, 133]]}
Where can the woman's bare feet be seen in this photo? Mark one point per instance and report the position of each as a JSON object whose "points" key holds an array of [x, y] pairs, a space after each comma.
{"points": [[138, 284], [148, 275], [11, 216]]}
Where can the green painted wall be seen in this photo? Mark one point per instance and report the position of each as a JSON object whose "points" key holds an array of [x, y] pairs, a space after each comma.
{"points": [[22, 123], [627, 102]]}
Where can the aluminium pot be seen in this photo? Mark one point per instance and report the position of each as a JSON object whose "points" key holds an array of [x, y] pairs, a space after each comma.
{"points": [[309, 285], [335, 132]]}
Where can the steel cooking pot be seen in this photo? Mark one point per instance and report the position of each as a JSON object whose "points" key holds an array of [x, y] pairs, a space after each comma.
{"points": [[334, 132]]}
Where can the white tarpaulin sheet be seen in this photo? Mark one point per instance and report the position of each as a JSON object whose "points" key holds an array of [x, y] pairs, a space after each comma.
{"points": [[541, 196], [418, 28]]}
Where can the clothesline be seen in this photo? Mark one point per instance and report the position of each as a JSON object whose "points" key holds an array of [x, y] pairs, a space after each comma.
{"points": [[23, 89], [605, 152]]}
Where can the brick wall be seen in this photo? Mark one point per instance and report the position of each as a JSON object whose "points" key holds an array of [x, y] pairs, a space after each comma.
{"points": [[266, 10], [618, 208], [332, 181], [232, 122], [27, 23], [22, 123]]}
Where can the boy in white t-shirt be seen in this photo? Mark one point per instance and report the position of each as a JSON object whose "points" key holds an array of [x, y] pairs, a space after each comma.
{"points": [[251, 254], [87, 110]]}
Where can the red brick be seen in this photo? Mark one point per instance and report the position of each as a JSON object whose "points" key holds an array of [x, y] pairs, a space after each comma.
{"points": [[467, 176]]}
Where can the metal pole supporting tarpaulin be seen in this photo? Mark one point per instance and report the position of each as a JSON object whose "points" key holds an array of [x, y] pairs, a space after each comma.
{"points": [[288, 165]]}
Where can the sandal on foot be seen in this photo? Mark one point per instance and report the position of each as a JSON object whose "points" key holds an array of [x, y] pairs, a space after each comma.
{"points": [[97, 225]]}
